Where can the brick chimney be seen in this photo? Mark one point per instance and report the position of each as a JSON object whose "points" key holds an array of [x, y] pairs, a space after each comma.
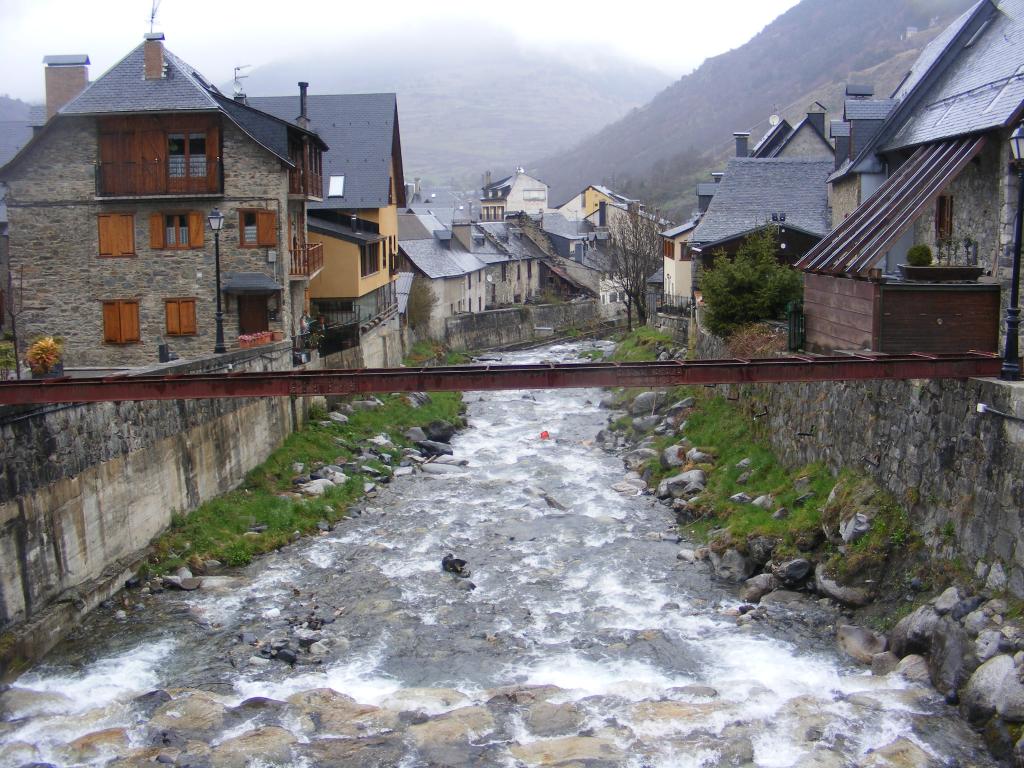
{"points": [[153, 56], [66, 77], [742, 139]]}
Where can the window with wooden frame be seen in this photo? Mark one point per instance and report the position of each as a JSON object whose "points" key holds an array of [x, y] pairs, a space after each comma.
{"points": [[116, 234], [181, 317], [369, 259], [944, 217], [121, 321], [257, 228], [175, 231]]}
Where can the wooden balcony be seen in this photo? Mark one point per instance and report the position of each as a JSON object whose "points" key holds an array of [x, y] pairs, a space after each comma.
{"points": [[191, 177], [307, 260]]}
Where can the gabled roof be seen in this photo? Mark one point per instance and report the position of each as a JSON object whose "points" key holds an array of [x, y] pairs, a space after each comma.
{"points": [[362, 132], [123, 89], [511, 239], [805, 124], [14, 134], [438, 261], [500, 183], [981, 89], [777, 134], [754, 189], [681, 229]]}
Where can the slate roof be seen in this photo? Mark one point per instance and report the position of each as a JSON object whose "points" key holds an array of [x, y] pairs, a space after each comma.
{"points": [[361, 132], [933, 52], [123, 88], [249, 282], [437, 261], [657, 278], [868, 109], [343, 231], [839, 128], [777, 133], [981, 89], [516, 246], [14, 134], [403, 286], [559, 225], [753, 189], [682, 228]]}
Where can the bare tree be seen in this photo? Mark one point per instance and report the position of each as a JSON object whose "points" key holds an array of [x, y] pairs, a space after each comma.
{"points": [[635, 256]]}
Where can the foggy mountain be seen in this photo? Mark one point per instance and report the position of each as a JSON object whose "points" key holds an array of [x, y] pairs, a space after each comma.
{"points": [[657, 152], [13, 109], [472, 98]]}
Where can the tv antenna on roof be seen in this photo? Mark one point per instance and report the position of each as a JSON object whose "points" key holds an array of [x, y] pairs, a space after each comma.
{"points": [[152, 14], [239, 78]]}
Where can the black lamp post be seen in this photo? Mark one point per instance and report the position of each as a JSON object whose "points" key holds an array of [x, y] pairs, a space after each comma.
{"points": [[216, 219], [1011, 355]]}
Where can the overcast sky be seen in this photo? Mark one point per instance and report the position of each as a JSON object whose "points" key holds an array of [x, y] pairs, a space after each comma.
{"points": [[216, 35]]}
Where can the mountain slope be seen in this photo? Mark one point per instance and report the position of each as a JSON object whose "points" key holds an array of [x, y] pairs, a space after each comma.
{"points": [[806, 54], [473, 99]]}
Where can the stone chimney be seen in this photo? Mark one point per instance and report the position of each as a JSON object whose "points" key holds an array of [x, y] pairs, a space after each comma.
{"points": [[66, 77], [816, 117], [303, 118], [463, 232], [742, 140], [717, 176], [153, 56], [487, 178]]}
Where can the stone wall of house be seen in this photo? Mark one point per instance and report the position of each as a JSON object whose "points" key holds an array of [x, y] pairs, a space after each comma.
{"points": [[54, 239], [84, 488], [844, 197], [976, 206], [501, 327], [807, 144], [677, 325], [957, 472]]}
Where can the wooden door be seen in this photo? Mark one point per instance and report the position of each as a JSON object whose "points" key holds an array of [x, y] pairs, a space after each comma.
{"points": [[252, 314], [153, 162]]}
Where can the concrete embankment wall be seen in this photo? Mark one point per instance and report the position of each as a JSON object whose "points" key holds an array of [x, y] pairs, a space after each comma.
{"points": [[503, 327], [84, 488], [958, 473]]}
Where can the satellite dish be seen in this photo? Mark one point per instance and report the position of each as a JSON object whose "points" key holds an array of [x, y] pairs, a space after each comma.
{"points": [[773, 120], [490, 278]]}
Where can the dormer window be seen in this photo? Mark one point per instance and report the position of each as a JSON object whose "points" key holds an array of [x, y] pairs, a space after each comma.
{"points": [[336, 187]]}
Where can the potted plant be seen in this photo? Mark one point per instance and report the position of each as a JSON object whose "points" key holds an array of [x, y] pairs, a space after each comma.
{"points": [[245, 341], [919, 266], [44, 358], [278, 335]]}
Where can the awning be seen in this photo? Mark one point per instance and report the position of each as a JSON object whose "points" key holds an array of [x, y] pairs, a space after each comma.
{"points": [[249, 282], [859, 242], [341, 231]]}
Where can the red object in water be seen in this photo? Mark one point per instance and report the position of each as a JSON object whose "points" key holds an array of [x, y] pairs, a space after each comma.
{"points": [[544, 435]]}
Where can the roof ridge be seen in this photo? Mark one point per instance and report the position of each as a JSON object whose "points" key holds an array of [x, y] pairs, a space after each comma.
{"points": [[109, 69]]}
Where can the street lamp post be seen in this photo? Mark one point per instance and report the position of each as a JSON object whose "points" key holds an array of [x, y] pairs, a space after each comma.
{"points": [[1011, 355], [216, 219]]}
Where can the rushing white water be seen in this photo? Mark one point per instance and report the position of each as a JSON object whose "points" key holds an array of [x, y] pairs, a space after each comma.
{"points": [[576, 587]]}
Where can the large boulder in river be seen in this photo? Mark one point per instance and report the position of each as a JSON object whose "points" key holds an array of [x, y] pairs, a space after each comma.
{"points": [[732, 565], [272, 745], [674, 486], [860, 643], [440, 431], [913, 633], [646, 403], [952, 656], [994, 688], [435, 448], [841, 593], [757, 587], [194, 716], [635, 459]]}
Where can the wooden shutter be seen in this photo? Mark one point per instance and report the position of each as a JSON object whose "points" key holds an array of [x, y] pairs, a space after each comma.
{"points": [[195, 229], [125, 234], [106, 235], [156, 230], [129, 315], [111, 322], [171, 310], [266, 228], [187, 316]]}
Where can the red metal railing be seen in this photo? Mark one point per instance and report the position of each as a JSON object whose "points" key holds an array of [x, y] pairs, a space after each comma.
{"points": [[307, 260], [542, 376]]}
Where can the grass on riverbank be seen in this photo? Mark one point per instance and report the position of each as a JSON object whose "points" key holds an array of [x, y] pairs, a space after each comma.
{"points": [[428, 352], [639, 345], [221, 529]]}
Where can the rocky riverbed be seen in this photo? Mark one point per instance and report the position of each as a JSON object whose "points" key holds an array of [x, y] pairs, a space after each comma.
{"points": [[578, 637]]}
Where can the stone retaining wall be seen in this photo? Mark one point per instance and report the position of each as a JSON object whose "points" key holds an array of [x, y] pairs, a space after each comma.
{"points": [[503, 327], [958, 473], [84, 488]]}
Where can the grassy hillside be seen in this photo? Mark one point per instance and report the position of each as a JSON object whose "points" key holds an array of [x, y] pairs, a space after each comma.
{"points": [[657, 152]]}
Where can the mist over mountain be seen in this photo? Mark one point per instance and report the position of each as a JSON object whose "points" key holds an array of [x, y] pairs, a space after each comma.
{"points": [[657, 152], [13, 109], [473, 98]]}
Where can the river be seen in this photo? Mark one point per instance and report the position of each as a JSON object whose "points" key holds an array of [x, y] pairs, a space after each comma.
{"points": [[585, 641]]}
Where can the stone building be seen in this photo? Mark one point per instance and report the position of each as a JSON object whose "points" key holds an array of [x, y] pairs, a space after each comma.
{"points": [[108, 207], [930, 165], [518, 193]]}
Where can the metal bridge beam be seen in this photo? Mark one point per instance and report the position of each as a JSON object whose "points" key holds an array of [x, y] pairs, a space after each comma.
{"points": [[489, 377]]}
